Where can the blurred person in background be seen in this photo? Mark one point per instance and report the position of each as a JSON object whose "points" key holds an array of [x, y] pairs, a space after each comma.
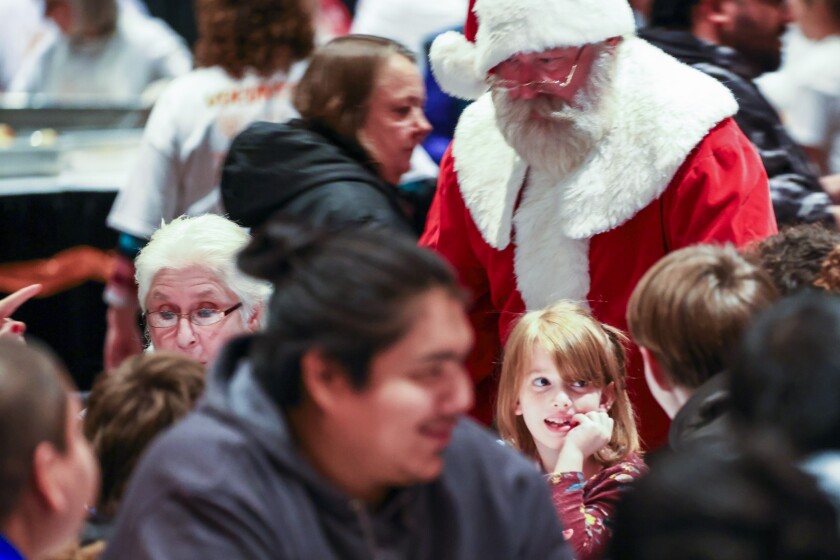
{"points": [[101, 54], [192, 295], [247, 51], [806, 90], [735, 41], [697, 505], [786, 380], [361, 106], [48, 474], [21, 26]]}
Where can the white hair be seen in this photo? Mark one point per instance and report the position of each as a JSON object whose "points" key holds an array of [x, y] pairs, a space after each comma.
{"points": [[210, 242], [564, 138]]}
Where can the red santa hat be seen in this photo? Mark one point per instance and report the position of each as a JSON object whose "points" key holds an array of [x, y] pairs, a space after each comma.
{"points": [[506, 27]]}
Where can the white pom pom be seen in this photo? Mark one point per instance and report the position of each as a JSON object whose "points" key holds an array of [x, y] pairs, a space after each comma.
{"points": [[453, 61]]}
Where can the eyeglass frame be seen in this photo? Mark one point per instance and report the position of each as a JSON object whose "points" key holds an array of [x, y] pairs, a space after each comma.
{"points": [[496, 83], [188, 315]]}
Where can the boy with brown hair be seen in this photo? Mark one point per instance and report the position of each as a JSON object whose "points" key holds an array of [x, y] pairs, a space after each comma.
{"points": [[687, 314], [126, 410]]}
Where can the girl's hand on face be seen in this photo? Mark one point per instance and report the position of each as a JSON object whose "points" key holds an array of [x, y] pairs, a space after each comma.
{"points": [[592, 433]]}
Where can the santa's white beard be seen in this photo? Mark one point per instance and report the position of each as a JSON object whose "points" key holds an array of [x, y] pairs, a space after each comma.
{"points": [[561, 140]]}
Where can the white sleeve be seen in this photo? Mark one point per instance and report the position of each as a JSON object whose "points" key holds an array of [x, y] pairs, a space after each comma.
{"points": [[808, 120], [30, 76], [151, 192]]}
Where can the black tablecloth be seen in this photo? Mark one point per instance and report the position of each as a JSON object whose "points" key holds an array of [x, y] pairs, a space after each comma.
{"points": [[36, 226]]}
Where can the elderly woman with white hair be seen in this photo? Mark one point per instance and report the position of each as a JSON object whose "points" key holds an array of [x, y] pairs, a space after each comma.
{"points": [[193, 296]]}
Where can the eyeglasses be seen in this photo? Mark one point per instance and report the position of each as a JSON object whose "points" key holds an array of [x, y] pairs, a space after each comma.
{"points": [[544, 66], [202, 317]]}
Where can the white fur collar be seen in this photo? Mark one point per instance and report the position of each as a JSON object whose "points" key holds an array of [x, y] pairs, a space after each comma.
{"points": [[663, 109]]}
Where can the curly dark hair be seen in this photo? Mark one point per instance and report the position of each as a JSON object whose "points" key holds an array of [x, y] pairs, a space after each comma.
{"points": [[829, 276], [265, 35], [793, 257]]}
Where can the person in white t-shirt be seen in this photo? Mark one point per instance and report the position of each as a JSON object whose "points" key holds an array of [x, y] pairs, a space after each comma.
{"points": [[102, 53], [249, 55], [806, 90]]}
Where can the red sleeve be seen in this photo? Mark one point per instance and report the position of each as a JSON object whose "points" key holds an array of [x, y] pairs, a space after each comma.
{"points": [[720, 194], [449, 231], [585, 508]]}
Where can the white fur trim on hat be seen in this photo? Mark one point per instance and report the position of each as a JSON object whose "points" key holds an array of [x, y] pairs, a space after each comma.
{"points": [[453, 60], [507, 27]]}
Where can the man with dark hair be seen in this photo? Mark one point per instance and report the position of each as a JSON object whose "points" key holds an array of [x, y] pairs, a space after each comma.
{"points": [[337, 433], [47, 470], [735, 41]]}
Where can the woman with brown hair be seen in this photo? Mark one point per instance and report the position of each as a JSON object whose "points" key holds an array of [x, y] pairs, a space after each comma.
{"points": [[247, 50], [361, 103]]}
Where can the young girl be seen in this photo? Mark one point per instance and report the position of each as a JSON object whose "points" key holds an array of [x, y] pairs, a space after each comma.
{"points": [[562, 401]]}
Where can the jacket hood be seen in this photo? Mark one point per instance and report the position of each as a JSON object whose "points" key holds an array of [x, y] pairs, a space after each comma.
{"points": [[234, 395], [269, 165]]}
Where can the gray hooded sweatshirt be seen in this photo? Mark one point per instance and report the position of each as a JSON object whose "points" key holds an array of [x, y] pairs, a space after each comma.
{"points": [[229, 482]]}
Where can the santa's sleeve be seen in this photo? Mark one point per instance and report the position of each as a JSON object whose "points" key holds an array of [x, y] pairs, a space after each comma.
{"points": [[720, 194], [451, 232]]}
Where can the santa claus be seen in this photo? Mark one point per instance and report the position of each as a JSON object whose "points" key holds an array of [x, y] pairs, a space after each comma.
{"points": [[587, 156]]}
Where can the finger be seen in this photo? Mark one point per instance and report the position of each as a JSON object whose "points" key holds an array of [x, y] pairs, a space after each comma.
{"points": [[10, 303], [12, 330]]}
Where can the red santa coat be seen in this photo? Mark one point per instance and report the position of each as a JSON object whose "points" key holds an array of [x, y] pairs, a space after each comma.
{"points": [[674, 170]]}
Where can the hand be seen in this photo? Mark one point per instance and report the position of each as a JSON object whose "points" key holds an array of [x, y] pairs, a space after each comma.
{"points": [[831, 185], [122, 338], [9, 328], [591, 434]]}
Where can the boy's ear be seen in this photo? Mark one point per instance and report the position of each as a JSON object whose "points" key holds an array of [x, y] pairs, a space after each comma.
{"points": [[45, 479], [608, 395], [324, 380], [653, 371]]}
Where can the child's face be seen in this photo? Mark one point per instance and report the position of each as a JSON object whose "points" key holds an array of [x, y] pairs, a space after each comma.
{"points": [[547, 403]]}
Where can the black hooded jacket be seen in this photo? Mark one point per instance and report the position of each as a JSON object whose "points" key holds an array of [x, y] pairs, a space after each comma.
{"points": [[303, 170], [795, 189]]}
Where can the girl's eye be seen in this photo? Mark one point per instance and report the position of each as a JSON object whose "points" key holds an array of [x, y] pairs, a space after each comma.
{"points": [[541, 382], [579, 384]]}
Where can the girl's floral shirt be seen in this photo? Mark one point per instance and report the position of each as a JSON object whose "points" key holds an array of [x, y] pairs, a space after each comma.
{"points": [[586, 506]]}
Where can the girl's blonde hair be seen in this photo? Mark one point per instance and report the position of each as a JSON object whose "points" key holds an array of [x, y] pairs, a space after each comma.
{"points": [[583, 349]]}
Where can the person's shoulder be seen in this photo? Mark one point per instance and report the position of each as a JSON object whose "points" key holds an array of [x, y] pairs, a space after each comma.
{"points": [[197, 453], [480, 456]]}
